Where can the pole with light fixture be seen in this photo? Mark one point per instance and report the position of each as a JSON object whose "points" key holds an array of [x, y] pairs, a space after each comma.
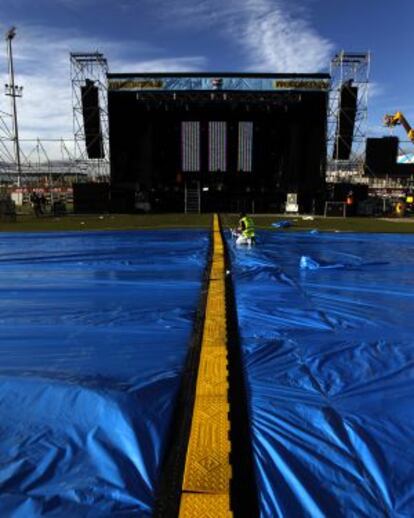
{"points": [[12, 90]]}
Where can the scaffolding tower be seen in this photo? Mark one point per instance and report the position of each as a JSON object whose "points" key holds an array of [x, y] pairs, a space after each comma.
{"points": [[348, 68], [86, 67], [6, 140]]}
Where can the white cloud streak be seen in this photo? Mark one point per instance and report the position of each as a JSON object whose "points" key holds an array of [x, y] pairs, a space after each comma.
{"points": [[274, 40], [265, 35]]}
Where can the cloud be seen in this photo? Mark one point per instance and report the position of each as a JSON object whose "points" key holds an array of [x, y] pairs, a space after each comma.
{"points": [[266, 35], [180, 64], [43, 68], [376, 90], [274, 40]]}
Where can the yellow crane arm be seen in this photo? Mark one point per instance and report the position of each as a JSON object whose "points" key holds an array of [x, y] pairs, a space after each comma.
{"points": [[398, 119]]}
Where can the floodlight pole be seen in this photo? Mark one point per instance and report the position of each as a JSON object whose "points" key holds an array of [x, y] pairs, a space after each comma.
{"points": [[14, 91]]}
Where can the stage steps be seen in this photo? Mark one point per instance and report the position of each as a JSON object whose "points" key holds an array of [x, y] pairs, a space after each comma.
{"points": [[192, 200]]}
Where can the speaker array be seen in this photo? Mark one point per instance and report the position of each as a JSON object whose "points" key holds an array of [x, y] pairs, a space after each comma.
{"points": [[381, 156], [92, 120], [346, 122]]}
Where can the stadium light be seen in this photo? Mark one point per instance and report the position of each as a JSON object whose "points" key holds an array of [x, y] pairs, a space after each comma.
{"points": [[11, 33]]}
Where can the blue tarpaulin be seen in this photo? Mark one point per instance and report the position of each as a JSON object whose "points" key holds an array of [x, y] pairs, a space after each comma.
{"points": [[95, 329], [329, 361], [282, 224]]}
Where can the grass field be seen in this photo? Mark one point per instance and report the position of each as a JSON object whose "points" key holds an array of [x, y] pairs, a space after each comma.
{"points": [[330, 224], [85, 222]]}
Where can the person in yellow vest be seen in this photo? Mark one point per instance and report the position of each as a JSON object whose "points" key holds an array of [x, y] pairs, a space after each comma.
{"points": [[400, 209], [246, 231]]}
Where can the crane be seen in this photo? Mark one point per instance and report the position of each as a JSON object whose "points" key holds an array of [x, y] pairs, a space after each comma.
{"points": [[391, 121], [398, 119]]}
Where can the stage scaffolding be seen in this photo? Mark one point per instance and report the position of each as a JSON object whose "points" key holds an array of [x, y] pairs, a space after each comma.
{"points": [[55, 162], [348, 68], [90, 67]]}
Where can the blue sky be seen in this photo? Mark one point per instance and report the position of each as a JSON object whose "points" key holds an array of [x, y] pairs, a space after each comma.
{"points": [[214, 35]]}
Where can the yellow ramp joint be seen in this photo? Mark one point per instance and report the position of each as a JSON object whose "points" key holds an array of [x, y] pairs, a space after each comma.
{"points": [[206, 485]]}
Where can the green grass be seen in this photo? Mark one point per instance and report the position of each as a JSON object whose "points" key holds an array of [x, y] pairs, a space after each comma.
{"points": [[84, 222], [405, 225]]}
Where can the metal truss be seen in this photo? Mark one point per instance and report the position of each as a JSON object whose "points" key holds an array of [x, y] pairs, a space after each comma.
{"points": [[223, 82], [92, 67], [198, 83], [348, 68], [38, 169], [260, 100], [6, 140]]}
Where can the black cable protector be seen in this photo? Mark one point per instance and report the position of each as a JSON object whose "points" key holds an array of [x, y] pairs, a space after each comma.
{"points": [[243, 491], [168, 493]]}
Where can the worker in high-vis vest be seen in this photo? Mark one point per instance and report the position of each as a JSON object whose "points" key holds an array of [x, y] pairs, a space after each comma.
{"points": [[246, 231]]}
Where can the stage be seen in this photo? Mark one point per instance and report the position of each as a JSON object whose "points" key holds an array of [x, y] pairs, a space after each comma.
{"points": [[217, 142]]}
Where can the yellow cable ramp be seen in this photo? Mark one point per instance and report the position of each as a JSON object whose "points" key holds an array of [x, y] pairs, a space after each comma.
{"points": [[206, 484]]}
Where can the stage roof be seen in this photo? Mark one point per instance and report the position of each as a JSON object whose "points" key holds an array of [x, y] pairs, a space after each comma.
{"points": [[218, 81]]}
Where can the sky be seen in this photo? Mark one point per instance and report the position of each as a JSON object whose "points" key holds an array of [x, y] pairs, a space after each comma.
{"points": [[202, 35]]}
